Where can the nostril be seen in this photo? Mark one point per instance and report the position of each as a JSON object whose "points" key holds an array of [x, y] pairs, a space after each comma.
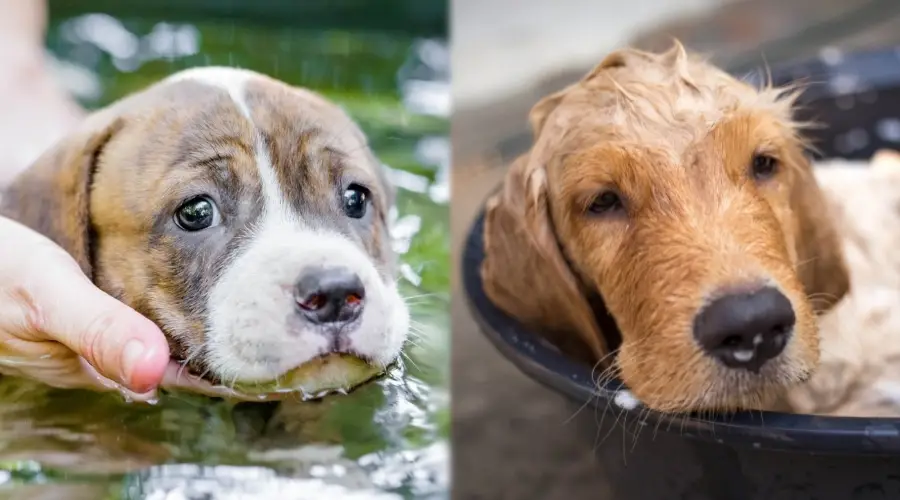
{"points": [[353, 299], [745, 330], [328, 295], [317, 301], [313, 302], [731, 341]]}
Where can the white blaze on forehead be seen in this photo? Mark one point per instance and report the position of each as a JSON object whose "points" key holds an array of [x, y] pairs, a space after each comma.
{"points": [[234, 81]]}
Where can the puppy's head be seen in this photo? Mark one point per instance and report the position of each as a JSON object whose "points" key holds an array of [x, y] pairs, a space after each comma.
{"points": [[668, 201], [245, 217]]}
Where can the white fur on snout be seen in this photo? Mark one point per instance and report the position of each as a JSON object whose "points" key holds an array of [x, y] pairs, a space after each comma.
{"points": [[255, 333]]}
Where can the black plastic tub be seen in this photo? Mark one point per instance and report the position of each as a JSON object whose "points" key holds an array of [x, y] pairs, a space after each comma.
{"points": [[766, 456]]}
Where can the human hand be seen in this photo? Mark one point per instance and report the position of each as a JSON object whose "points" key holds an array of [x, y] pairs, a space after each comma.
{"points": [[58, 328], [55, 325]]}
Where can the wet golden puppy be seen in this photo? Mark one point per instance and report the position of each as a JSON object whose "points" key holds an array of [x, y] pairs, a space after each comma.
{"points": [[246, 217], [670, 206]]}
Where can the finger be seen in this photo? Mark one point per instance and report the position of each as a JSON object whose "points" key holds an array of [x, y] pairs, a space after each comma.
{"points": [[119, 343], [50, 363], [71, 373], [99, 381]]}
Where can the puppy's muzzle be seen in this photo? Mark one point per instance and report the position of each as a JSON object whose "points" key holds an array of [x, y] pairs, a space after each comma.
{"points": [[332, 296], [745, 330]]}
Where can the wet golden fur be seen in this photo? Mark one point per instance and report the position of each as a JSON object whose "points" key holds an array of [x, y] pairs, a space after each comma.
{"points": [[859, 372], [674, 137]]}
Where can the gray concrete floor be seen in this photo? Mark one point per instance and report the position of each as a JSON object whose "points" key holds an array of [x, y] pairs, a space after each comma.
{"points": [[511, 437]]}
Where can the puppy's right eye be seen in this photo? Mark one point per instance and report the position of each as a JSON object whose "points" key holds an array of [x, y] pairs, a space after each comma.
{"points": [[605, 202], [764, 166], [356, 201], [197, 214]]}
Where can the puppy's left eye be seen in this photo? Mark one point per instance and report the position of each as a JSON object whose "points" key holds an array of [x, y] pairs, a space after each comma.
{"points": [[764, 166], [605, 202], [197, 214], [356, 201]]}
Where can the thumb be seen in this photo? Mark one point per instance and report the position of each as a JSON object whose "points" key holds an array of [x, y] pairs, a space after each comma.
{"points": [[119, 343]]}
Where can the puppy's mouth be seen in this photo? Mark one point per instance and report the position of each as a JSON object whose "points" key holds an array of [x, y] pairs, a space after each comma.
{"points": [[736, 389], [336, 372]]}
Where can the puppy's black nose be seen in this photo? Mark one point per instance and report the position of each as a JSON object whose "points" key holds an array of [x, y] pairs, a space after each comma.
{"points": [[746, 330], [329, 295]]}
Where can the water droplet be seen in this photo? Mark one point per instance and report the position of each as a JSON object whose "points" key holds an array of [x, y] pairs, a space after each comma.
{"points": [[889, 129], [853, 140], [744, 355], [845, 84], [625, 399], [831, 55]]}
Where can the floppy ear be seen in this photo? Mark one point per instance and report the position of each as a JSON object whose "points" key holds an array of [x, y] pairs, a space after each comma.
{"points": [[524, 271], [820, 254], [52, 196]]}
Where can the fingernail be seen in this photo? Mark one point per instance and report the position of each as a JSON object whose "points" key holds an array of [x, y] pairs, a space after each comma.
{"points": [[131, 356]]}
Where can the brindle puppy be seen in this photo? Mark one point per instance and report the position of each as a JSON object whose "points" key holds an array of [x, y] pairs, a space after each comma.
{"points": [[246, 217]]}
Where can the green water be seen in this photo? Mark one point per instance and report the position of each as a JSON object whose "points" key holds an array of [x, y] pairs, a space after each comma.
{"points": [[389, 436]]}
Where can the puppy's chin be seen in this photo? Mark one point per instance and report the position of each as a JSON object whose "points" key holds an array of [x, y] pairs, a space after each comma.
{"points": [[698, 383], [256, 334]]}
